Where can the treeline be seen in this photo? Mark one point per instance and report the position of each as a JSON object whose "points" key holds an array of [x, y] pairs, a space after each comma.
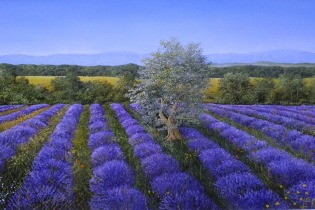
{"points": [[288, 89], [264, 71], [132, 70], [63, 70], [65, 89]]}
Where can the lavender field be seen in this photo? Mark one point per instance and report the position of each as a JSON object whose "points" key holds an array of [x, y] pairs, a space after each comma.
{"points": [[105, 157]]}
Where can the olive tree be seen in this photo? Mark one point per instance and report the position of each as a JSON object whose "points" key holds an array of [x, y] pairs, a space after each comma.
{"points": [[171, 91]]}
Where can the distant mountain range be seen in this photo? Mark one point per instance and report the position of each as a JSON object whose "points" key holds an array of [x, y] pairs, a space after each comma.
{"points": [[120, 58]]}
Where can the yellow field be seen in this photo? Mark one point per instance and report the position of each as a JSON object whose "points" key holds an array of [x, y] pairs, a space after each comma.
{"points": [[214, 82], [45, 80]]}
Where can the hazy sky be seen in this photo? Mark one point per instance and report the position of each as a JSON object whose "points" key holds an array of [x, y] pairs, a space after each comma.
{"points": [[41, 27]]}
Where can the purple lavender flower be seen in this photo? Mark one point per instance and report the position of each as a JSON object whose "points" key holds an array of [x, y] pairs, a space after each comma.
{"points": [[306, 144], [44, 197], [187, 200], [119, 198], [111, 174], [51, 165], [97, 127], [235, 185], [146, 149], [60, 143], [132, 129], [106, 153], [302, 194], [289, 171], [58, 177], [139, 138], [157, 164], [212, 158], [218, 126], [20, 113], [274, 131], [5, 108], [228, 167], [201, 144], [174, 183], [261, 199], [266, 155], [128, 122], [100, 139], [35, 123], [48, 152], [190, 133]]}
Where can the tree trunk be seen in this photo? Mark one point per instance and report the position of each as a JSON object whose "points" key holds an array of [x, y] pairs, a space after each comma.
{"points": [[172, 130], [173, 134]]}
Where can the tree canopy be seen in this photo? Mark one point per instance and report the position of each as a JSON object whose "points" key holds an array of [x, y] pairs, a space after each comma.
{"points": [[172, 86]]}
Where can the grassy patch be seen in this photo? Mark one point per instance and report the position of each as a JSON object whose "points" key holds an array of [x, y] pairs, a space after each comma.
{"points": [[81, 168]]}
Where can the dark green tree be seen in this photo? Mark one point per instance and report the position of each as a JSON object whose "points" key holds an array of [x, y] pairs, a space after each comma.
{"points": [[67, 89], [262, 90], [123, 85], [311, 92], [97, 92], [291, 89], [235, 89]]}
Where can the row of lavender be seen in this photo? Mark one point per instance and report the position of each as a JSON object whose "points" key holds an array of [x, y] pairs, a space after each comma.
{"points": [[295, 175], [177, 189], [5, 108], [233, 180], [273, 115], [20, 134], [298, 141], [21, 112], [300, 113], [50, 181], [113, 180]]}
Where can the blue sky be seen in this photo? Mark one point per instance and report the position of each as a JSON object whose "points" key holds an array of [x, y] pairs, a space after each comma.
{"points": [[42, 27]]}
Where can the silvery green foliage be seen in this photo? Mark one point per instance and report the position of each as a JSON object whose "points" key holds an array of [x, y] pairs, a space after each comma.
{"points": [[176, 74]]}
